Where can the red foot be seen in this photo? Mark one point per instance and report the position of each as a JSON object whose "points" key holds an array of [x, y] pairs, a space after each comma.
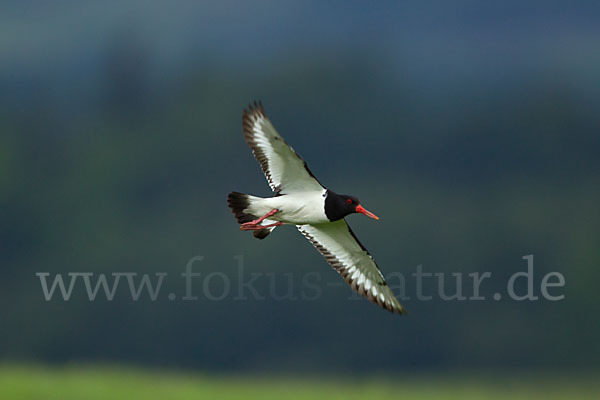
{"points": [[255, 225], [258, 227]]}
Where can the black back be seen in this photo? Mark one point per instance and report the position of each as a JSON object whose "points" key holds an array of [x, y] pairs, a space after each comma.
{"points": [[337, 206]]}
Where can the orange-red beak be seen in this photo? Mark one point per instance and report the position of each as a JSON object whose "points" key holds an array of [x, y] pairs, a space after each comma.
{"points": [[369, 214]]}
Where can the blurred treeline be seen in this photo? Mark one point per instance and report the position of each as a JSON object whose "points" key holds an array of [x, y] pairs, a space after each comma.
{"points": [[113, 162]]}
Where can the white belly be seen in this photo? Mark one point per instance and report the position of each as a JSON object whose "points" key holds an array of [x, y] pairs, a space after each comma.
{"points": [[296, 208]]}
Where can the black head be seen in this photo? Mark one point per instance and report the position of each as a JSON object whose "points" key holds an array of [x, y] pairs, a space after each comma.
{"points": [[337, 206]]}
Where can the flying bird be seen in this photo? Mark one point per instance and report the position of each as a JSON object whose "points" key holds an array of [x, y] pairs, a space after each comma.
{"points": [[317, 212]]}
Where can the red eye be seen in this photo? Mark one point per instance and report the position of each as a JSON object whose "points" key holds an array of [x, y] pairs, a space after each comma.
{"points": [[348, 201]]}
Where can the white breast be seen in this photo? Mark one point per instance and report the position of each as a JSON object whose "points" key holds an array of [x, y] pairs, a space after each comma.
{"points": [[299, 208]]}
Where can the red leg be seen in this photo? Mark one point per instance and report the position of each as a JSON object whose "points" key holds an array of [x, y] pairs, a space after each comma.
{"points": [[258, 227], [261, 219], [255, 225]]}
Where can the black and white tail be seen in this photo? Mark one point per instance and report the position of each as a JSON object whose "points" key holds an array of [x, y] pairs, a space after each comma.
{"points": [[239, 203]]}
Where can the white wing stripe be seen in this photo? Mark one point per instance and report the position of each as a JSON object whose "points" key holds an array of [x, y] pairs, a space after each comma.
{"points": [[284, 169], [338, 245]]}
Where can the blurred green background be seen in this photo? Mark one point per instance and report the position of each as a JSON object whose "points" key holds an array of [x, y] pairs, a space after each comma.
{"points": [[471, 128]]}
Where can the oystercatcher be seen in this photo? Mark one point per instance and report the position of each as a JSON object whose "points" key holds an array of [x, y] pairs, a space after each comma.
{"points": [[317, 212]]}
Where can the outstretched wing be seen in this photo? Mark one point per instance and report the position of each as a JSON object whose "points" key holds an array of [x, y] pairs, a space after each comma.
{"points": [[337, 243], [285, 170]]}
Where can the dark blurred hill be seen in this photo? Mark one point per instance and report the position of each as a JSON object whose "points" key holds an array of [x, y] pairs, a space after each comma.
{"points": [[473, 134]]}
